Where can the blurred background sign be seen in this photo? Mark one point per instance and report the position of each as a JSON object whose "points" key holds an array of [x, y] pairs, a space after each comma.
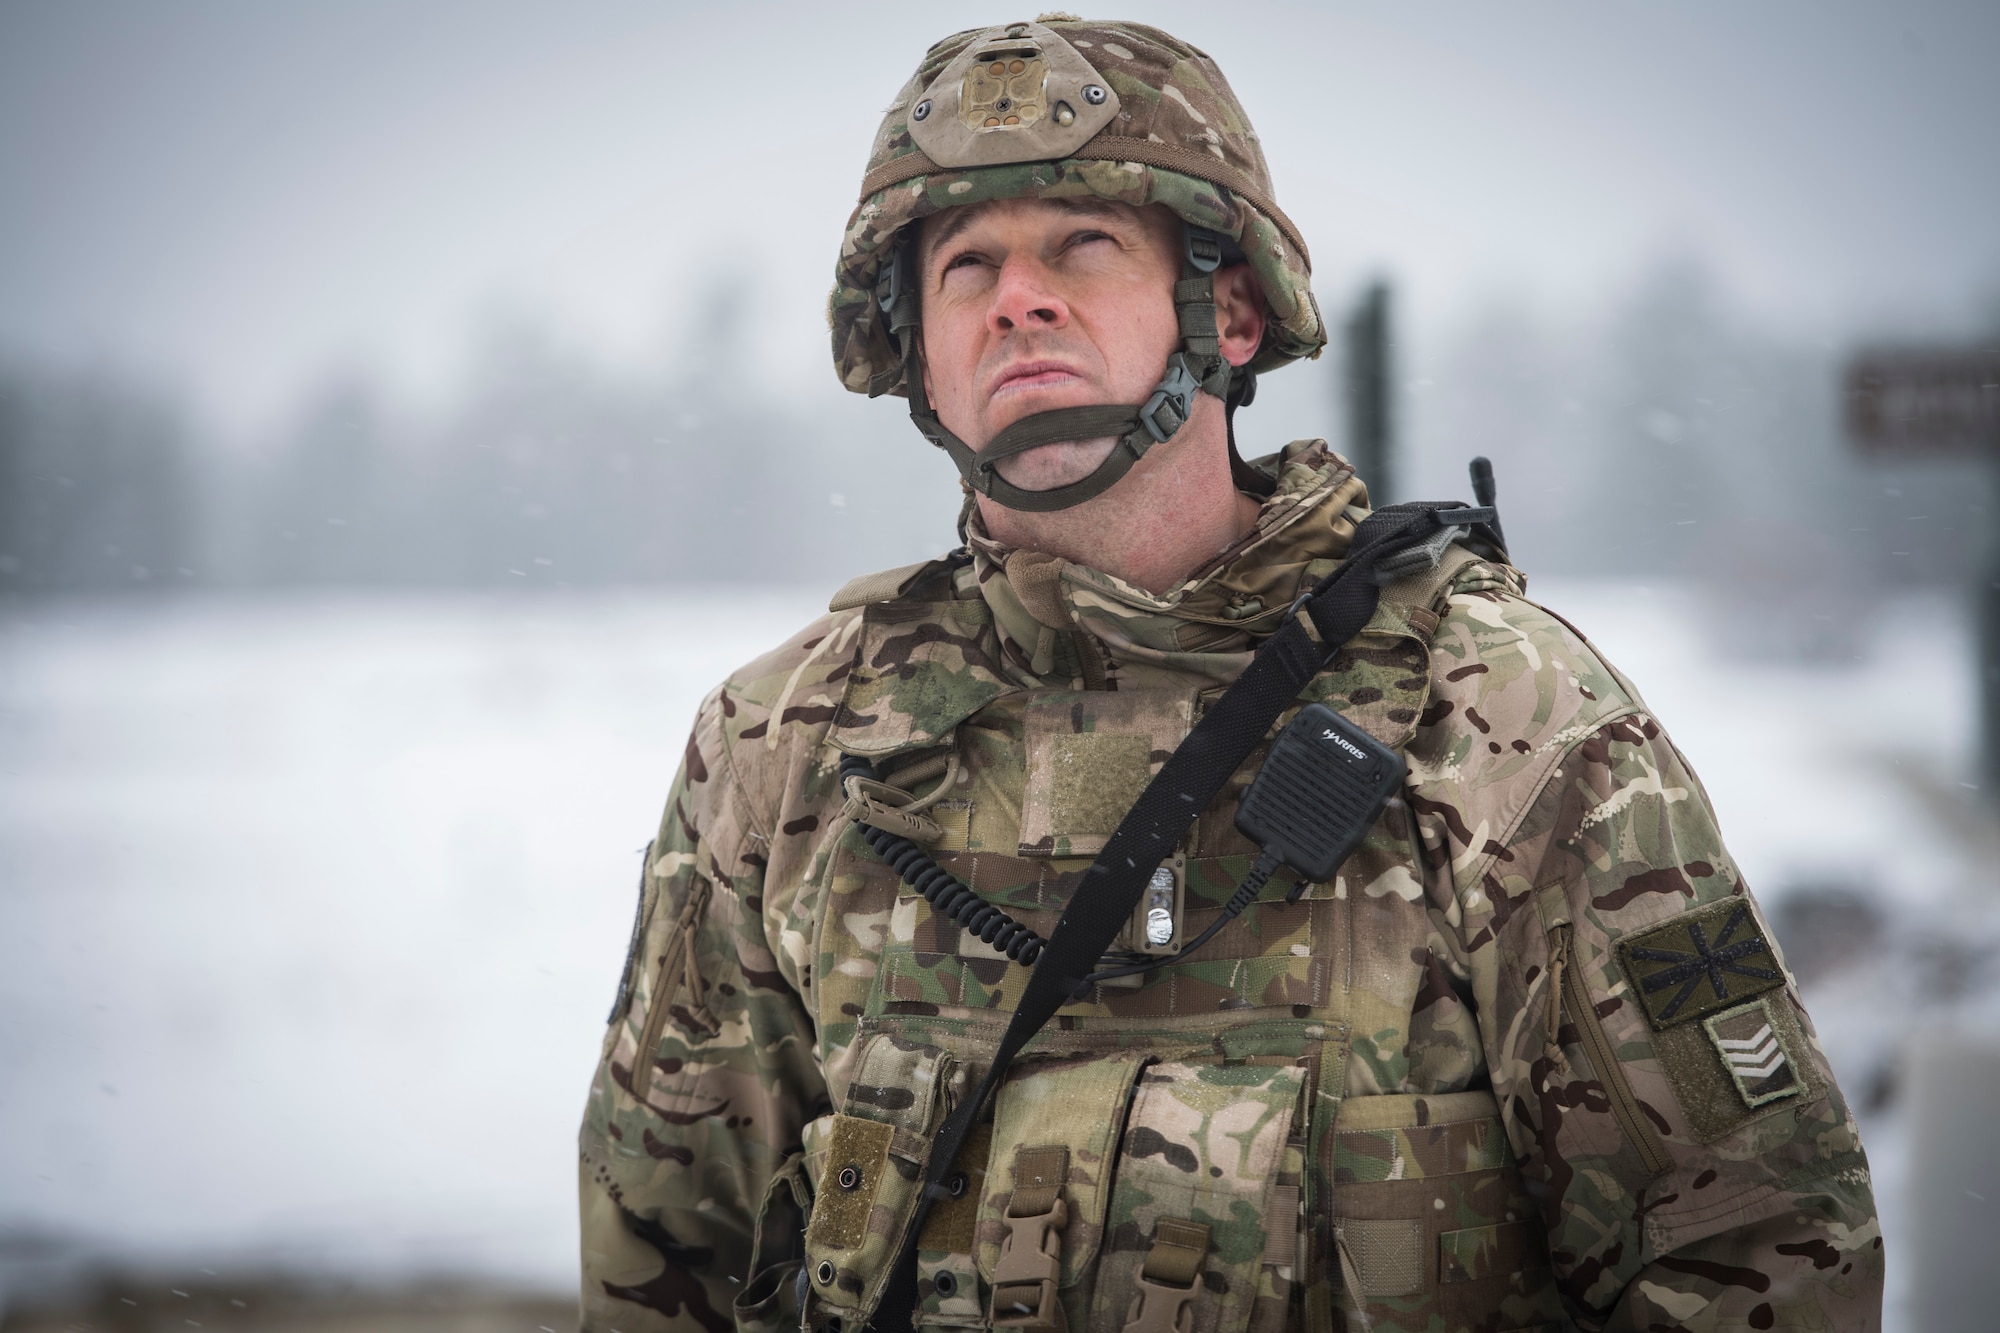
{"points": [[1911, 404], [1925, 402]]}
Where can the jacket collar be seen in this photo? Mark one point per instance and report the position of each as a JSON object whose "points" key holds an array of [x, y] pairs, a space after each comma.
{"points": [[1208, 624]]}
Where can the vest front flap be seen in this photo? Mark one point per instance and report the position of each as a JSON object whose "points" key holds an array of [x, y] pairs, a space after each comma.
{"points": [[923, 668]]}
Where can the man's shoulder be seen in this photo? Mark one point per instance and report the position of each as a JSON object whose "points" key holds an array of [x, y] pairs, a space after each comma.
{"points": [[1512, 682], [796, 684], [796, 687]]}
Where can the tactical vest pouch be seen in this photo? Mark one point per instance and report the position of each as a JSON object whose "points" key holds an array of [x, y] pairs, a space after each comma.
{"points": [[869, 1162], [1075, 1104], [1431, 1225], [1206, 1145]]}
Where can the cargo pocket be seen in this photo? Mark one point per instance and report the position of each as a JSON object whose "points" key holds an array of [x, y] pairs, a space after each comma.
{"points": [[1200, 1215], [1431, 1226], [871, 1159]]}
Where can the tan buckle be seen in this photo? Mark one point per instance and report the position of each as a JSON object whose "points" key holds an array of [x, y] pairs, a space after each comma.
{"points": [[1171, 1280], [1024, 1276], [1159, 1308]]}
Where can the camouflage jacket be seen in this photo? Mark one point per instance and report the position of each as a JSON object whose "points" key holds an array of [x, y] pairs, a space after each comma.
{"points": [[1531, 1059]]}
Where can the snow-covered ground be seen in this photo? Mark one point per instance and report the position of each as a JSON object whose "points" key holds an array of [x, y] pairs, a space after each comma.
{"points": [[310, 910]]}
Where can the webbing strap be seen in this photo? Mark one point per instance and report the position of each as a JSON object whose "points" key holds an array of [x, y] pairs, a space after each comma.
{"points": [[1058, 424], [1334, 612], [1179, 1249]]}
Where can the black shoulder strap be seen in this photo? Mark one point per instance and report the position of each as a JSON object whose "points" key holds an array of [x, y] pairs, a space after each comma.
{"points": [[1322, 623]]}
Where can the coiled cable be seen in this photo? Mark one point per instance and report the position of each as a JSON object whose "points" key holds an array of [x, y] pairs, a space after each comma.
{"points": [[944, 891]]}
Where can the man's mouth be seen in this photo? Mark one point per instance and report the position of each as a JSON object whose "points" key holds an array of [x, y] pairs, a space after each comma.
{"points": [[1030, 375]]}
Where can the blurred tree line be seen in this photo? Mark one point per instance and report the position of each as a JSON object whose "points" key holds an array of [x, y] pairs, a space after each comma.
{"points": [[547, 469], [1671, 436], [98, 483]]}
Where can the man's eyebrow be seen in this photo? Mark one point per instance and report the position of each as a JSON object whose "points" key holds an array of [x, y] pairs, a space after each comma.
{"points": [[949, 224], [955, 220]]}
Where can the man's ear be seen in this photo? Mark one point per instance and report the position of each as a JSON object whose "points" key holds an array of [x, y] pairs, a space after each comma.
{"points": [[1240, 313]]}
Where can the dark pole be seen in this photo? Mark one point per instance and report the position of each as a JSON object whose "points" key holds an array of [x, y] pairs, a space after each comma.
{"points": [[1987, 609], [1371, 433]]}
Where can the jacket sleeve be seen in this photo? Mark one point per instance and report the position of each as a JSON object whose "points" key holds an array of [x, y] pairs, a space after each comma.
{"points": [[1658, 1074], [707, 1071]]}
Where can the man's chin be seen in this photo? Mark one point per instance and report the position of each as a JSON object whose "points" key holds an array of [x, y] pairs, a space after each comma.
{"points": [[1054, 465]]}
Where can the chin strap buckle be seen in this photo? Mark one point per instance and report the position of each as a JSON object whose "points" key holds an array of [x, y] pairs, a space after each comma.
{"points": [[889, 277], [1204, 249], [1172, 402], [896, 295]]}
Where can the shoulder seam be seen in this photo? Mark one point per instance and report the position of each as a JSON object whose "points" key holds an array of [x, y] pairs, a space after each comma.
{"points": [[750, 828], [767, 819], [1550, 765]]}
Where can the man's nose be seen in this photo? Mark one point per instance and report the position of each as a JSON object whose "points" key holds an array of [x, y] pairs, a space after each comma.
{"points": [[1024, 298]]}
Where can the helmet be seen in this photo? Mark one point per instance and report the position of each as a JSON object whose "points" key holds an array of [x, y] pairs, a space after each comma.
{"points": [[1064, 107]]}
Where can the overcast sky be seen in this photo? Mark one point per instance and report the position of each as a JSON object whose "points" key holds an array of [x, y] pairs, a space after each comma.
{"points": [[245, 197]]}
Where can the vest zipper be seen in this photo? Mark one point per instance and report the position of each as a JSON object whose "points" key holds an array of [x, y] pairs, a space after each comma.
{"points": [[678, 973], [1639, 1131]]}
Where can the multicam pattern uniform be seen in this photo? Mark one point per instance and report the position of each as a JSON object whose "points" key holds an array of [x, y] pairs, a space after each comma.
{"points": [[1314, 1086]]}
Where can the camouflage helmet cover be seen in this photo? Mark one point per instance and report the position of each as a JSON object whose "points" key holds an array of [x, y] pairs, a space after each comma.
{"points": [[1119, 110]]}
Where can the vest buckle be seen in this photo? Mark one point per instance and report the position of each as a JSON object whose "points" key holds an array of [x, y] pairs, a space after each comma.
{"points": [[1024, 1276]]}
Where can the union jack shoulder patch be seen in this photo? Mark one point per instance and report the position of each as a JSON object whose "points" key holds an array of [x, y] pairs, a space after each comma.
{"points": [[1755, 1051], [1699, 963]]}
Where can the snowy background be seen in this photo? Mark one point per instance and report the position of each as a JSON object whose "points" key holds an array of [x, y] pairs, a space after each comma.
{"points": [[313, 908], [408, 411]]}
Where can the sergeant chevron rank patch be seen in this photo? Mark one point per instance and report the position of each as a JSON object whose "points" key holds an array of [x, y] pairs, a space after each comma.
{"points": [[1700, 963], [1754, 1051]]}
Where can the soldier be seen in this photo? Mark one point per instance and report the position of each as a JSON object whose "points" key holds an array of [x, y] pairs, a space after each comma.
{"points": [[1531, 1058]]}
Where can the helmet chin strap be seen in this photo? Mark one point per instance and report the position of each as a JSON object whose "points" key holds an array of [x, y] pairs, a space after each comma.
{"points": [[1197, 368]]}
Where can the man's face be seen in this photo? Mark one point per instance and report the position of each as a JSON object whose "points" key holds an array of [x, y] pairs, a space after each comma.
{"points": [[1030, 304]]}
